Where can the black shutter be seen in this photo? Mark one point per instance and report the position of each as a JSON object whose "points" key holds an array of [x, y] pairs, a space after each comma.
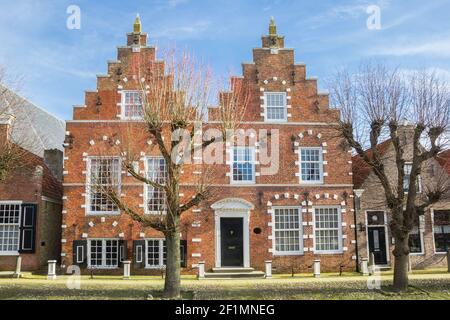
{"points": [[80, 253], [183, 253], [123, 252], [139, 253], [28, 228]]}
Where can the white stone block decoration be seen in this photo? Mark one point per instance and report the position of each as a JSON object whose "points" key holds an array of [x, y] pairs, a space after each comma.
{"points": [[317, 196], [310, 132], [51, 270], [277, 196], [268, 264], [84, 235], [201, 269], [91, 224], [196, 255], [115, 223], [102, 219], [197, 240], [121, 235], [126, 270], [269, 204], [335, 196], [142, 235], [91, 142], [286, 195], [296, 196], [303, 203]]}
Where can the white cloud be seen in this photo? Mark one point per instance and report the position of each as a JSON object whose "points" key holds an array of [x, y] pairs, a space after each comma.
{"points": [[434, 47], [191, 30]]}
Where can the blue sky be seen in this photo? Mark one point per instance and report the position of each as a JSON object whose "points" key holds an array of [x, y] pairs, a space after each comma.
{"points": [[58, 64]]}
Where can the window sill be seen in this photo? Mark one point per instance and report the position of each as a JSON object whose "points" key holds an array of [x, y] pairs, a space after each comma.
{"points": [[328, 252], [155, 267], [103, 214], [9, 253], [103, 267], [280, 254]]}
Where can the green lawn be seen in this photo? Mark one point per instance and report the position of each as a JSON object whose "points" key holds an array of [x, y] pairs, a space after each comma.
{"points": [[432, 285]]}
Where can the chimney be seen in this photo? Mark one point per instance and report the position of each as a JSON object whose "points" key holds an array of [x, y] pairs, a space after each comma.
{"points": [[53, 159]]}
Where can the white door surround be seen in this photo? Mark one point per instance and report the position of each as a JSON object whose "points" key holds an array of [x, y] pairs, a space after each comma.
{"points": [[232, 208]]}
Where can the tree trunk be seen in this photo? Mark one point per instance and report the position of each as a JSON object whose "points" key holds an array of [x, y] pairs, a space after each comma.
{"points": [[401, 253], [172, 283]]}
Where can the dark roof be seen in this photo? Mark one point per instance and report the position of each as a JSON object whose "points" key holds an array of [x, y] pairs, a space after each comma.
{"points": [[361, 169]]}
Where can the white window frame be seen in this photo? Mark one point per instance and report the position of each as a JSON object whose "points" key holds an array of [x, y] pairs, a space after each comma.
{"points": [[253, 156], [161, 264], [123, 104], [418, 182], [146, 187], [301, 248], [14, 252], [103, 265], [340, 241], [88, 186], [432, 229], [266, 119], [320, 167]]}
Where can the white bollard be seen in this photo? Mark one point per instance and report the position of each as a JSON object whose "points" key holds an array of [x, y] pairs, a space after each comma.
{"points": [[51, 270], [201, 270], [268, 269], [316, 268], [448, 260], [126, 270], [365, 266], [18, 272]]}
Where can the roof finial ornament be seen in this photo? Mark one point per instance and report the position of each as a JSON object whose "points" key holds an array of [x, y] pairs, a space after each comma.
{"points": [[272, 27], [137, 28]]}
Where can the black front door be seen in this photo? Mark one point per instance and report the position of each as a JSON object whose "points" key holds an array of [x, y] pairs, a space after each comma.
{"points": [[232, 242], [377, 244]]}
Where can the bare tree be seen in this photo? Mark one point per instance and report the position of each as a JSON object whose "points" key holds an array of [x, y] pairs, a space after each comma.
{"points": [[175, 99], [12, 151], [412, 111]]}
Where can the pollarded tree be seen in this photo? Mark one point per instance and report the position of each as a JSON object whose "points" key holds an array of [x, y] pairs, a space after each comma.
{"points": [[379, 104], [12, 147], [175, 98]]}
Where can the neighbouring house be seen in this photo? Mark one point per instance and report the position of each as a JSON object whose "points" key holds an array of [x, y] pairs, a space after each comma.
{"points": [[301, 213], [31, 194], [430, 238]]}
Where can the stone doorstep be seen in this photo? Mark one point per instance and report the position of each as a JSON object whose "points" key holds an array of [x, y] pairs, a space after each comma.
{"points": [[235, 275], [232, 270]]}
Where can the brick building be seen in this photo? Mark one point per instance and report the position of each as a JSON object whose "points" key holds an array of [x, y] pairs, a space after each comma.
{"points": [[31, 195], [430, 238], [301, 213]]}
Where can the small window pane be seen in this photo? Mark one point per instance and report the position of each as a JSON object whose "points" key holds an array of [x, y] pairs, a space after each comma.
{"points": [[275, 106], [132, 104], [287, 230], [327, 229], [9, 227], [243, 165]]}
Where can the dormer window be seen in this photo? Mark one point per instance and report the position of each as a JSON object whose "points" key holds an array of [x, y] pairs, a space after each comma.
{"points": [[275, 109], [132, 106]]}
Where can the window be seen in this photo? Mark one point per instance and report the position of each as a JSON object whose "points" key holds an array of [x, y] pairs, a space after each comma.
{"points": [[406, 178], [132, 106], [415, 238], [287, 230], [156, 172], [103, 253], [327, 230], [104, 173], [276, 106], [243, 165], [442, 230], [9, 227], [311, 165], [156, 253]]}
